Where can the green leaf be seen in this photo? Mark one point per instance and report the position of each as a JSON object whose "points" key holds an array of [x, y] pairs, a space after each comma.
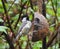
{"points": [[51, 29], [30, 17], [1, 10], [1, 4], [24, 1], [31, 10], [51, 12], [1, 20], [15, 17], [24, 44], [37, 45], [24, 38], [3, 29]]}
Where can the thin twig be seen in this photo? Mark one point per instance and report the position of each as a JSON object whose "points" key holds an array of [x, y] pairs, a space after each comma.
{"points": [[11, 5], [32, 9], [51, 39], [53, 6], [17, 44], [28, 44], [55, 10], [31, 4]]}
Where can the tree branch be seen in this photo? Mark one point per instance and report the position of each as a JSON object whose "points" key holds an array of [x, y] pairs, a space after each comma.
{"points": [[44, 9], [31, 4], [55, 10], [51, 39], [56, 33], [53, 6], [6, 13], [17, 44], [8, 40], [22, 7], [44, 13]]}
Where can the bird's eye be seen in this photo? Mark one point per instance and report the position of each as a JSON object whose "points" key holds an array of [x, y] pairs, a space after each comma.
{"points": [[24, 19]]}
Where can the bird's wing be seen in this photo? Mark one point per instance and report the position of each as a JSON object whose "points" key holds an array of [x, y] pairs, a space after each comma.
{"points": [[22, 25], [19, 31]]}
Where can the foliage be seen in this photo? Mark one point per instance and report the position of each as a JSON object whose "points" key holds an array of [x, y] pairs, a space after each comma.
{"points": [[13, 11]]}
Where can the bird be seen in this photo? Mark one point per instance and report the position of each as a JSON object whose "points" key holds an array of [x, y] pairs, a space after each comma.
{"points": [[25, 26], [40, 27]]}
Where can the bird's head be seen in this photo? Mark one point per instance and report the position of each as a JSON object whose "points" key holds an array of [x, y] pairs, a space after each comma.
{"points": [[25, 18]]}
